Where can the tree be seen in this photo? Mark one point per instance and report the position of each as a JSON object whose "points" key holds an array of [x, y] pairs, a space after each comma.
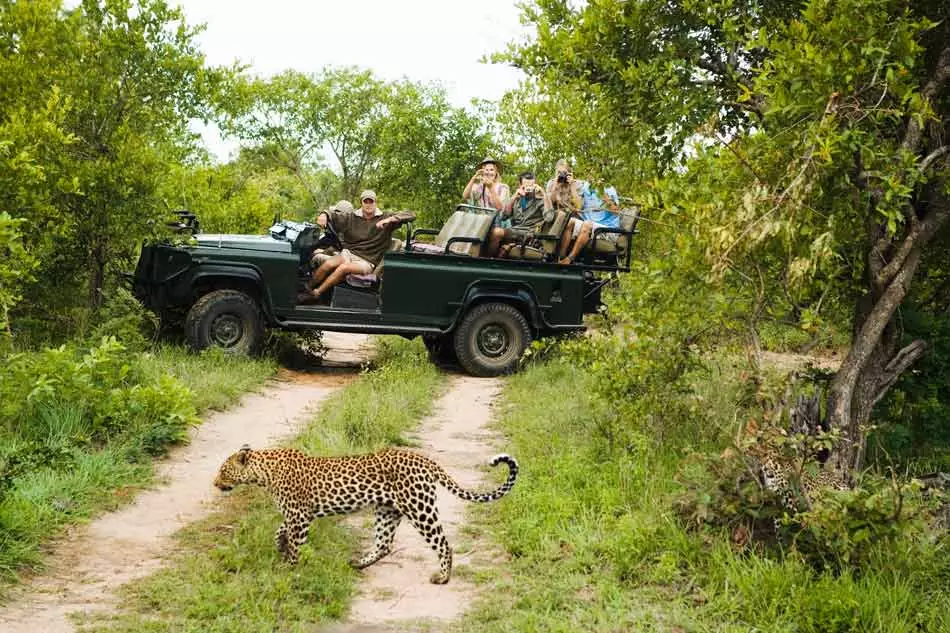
{"points": [[120, 80], [400, 137], [822, 170], [663, 70], [242, 196]]}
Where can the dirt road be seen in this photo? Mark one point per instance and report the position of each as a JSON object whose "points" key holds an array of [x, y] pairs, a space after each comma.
{"points": [[93, 561], [395, 594]]}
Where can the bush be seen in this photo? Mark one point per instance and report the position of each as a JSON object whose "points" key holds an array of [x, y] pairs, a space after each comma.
{"points": [[125, 318], [297, 350], [55, 402], [830, 529]]}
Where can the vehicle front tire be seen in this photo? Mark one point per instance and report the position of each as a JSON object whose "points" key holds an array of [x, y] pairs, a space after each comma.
{"points": [[229, 319], [491, 339]]}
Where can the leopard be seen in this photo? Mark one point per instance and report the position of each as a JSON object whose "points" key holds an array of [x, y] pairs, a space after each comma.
{"points": [[785, 474], [396, 482], [777, 476]]}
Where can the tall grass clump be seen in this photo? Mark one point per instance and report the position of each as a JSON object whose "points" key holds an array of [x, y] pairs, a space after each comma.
{"points": [[228, 575], [392, 396]]}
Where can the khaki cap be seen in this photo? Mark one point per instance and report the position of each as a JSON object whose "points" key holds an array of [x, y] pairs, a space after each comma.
{"points": [[368, 193]]}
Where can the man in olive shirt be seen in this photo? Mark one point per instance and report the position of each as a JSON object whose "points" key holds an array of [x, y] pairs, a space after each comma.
{"points": [[366, 235], [528, 208]]}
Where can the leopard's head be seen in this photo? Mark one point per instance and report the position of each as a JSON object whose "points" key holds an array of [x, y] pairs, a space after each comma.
{"points": [[235, 470]]}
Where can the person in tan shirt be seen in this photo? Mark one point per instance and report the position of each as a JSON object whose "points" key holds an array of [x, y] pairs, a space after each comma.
{"points": [[366, 235]]}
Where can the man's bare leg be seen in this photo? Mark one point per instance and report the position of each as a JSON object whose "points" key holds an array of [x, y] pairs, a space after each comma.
{"points": [[565, 240], [324, 271], [494, 242], [582, 239], [338, 276]]}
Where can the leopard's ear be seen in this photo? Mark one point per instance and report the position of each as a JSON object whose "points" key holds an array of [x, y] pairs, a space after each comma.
{"points": [[244, 453]]}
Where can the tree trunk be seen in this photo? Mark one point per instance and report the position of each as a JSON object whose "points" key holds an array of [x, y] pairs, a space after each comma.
{"points": [[96, 280], [876, 360]]}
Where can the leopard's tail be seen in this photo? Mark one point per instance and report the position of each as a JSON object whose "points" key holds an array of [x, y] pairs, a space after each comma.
{"points": [[481, 497]]}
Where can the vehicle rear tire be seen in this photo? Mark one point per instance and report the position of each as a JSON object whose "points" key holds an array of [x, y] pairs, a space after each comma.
{"points": [[229, 319], [441, 349], [491, 338]]}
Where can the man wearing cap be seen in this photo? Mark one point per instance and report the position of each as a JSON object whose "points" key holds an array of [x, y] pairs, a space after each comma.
{"points": [[484, 188], [366, 235]]}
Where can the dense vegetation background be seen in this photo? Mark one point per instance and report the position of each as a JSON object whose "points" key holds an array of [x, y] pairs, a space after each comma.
{"points": [[791, 160]]}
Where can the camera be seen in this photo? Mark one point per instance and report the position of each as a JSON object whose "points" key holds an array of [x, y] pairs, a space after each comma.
{"points": [[562, 176]]}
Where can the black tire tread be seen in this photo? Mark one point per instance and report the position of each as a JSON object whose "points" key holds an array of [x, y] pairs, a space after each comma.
{"points": [[203, 305], [462, 337]]}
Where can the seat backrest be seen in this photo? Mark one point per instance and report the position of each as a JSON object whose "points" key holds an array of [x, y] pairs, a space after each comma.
{"points": [[554, 227], [628, 222], [462, 224]]}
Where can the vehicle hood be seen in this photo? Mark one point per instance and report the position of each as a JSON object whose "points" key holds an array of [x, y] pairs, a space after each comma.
{"points": [[243, 242]]}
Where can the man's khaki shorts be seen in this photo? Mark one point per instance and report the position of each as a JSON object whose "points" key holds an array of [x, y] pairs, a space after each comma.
{"points": [[596, 225], [365, 267]]}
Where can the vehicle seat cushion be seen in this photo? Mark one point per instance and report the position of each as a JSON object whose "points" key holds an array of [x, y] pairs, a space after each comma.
{"points": [[554, 227], [362, 281], [618, 244], [425, 247], [628, 222], [520, 251], [535, 249]]}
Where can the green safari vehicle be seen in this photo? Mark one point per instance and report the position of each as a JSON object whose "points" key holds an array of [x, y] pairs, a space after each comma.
{"points": [[477, 311]]}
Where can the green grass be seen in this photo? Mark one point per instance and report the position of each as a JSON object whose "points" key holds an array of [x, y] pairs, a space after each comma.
{"points": [[216, 379], [592, 544], [57, 472], [227, 575]]}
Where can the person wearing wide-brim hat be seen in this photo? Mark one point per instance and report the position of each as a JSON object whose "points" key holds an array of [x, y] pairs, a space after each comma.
{"points": [[485, 188]]}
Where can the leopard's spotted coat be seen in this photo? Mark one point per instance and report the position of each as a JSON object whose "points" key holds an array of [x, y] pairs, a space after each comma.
{"points": [[397, 482]]}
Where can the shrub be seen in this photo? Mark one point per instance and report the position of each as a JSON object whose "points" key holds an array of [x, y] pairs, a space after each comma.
{"points": [[125, 318], [296, 350], [830, 529], [55, 402]]}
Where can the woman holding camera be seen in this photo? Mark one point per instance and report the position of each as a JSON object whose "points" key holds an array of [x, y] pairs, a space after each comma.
{"points": [[484, 188]]}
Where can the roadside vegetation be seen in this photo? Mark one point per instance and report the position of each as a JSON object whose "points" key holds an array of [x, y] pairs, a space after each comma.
{"points": [[227, 574], [791, 164], [80, 426], [604, 534]]}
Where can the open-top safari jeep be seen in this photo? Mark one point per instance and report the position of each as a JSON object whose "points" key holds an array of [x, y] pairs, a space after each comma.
{"points": [[481, 312]]}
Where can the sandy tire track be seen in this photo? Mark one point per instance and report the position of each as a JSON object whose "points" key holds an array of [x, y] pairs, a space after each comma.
{"points": [[94, 560], [395, 593]]}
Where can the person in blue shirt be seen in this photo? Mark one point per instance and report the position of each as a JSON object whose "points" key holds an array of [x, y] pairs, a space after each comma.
{"points": [[600, 209]]}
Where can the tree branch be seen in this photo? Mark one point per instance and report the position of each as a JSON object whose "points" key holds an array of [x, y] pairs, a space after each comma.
{"points": [[898, 365], [932, 88], [932, 156]]}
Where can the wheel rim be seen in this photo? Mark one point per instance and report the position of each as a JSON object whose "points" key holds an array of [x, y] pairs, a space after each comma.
{"points": [[493, 340], [226, 330]]}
